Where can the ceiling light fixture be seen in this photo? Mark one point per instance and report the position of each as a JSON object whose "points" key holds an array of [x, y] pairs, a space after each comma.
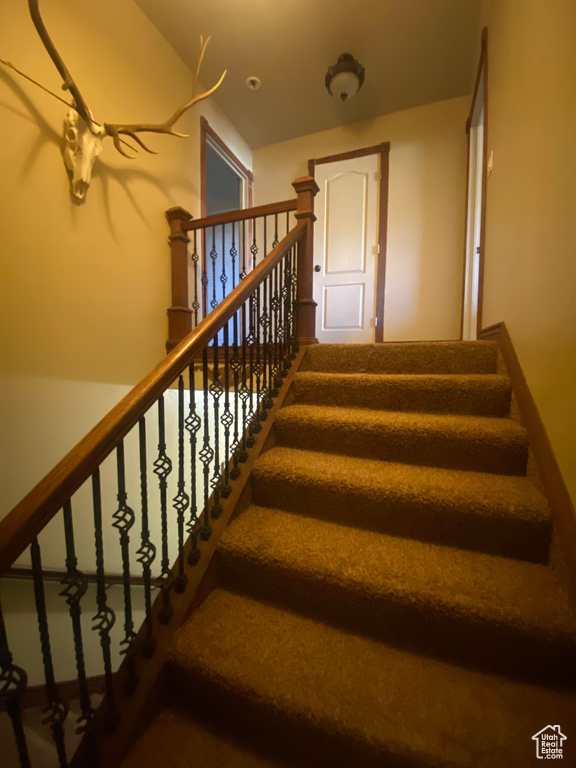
{"points": [[345, 78]]}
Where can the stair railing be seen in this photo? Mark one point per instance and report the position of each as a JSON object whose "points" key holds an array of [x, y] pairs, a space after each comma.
{"points": [[113, 506]]}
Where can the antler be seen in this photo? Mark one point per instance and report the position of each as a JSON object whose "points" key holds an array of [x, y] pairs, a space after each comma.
{"points": [[114, 129], [68, 83]]}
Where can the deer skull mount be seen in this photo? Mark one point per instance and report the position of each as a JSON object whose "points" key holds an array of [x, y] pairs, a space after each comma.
{"points": [[81, 149], [83, 135]]}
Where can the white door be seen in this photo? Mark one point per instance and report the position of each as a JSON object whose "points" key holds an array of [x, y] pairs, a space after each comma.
{"points": [[346, 249]]}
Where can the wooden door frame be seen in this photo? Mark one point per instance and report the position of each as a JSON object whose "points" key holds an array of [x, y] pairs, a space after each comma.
{"points": [[481, 78], [384, 151], [209, 135]]}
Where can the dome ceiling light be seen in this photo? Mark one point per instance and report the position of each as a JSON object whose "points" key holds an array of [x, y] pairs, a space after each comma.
{"points": [[345, 78]]}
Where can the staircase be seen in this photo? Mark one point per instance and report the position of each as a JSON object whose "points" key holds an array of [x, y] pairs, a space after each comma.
{"points": [[385, 598]]}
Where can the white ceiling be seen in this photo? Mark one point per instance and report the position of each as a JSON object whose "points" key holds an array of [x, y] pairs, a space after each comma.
{"points": [[415, 52]]}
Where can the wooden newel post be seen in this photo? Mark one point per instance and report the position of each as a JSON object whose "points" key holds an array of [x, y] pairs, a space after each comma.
{"points": [[180, 313], [306, 188]]}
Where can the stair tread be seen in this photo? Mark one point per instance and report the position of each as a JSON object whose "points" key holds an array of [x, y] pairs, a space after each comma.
{"points": [[374, 566], [389, 701], [177, 739], [490, 495], [491, 444]]}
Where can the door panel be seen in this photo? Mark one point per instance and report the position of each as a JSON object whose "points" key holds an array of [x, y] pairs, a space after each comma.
{"points": [[346, 249]]}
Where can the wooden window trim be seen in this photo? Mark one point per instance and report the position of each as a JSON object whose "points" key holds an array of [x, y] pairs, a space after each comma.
{"points": [[207, 132]]}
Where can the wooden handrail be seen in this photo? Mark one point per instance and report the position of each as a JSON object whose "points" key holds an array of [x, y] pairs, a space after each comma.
{"points": [[34, 512], [244, 213]]}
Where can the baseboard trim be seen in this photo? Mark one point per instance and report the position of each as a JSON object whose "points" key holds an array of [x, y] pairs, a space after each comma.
{"points": [[35, 695], [550, 475]]}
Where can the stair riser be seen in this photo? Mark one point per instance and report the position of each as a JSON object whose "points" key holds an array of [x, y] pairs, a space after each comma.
{"points": [[421, 627], [415, 518], [455, 358], [450, 450], [392, 396]]}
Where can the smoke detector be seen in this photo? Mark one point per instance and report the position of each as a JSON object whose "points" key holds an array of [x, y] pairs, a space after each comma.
{"points": [[253, 82]]}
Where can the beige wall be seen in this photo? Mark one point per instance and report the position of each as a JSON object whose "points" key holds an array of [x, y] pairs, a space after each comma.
{"points": [[84, 288], [426, 208], [530, 273]]}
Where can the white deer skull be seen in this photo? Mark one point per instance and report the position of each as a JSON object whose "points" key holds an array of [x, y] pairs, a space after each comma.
{"points": [[81, 149], [83, 135]]}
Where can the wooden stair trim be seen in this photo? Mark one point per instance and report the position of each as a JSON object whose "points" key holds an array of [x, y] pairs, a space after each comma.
{"points": [[553, 483]]}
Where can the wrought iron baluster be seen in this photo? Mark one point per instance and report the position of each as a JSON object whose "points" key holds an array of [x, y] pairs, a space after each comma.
{"points": [[259, 369], [105, 618], [276, 305], [146, 554], [206, 454], [280, 325], [75, 585], [181, 501], [124, 518], [204, 280], [216, 391], [56, 709], [234, 254], [264, 316], [236, 366], [244, 392], [254, 246], [250, 341], [162, 468], [195, 260], [223, 276], [193, 424], [294, 302], [227, 418], [13, 682], [243, 273], [214, 258], [275, 241]]}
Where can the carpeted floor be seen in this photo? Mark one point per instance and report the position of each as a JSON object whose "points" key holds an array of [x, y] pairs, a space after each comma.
{"points": [[386, 599]]}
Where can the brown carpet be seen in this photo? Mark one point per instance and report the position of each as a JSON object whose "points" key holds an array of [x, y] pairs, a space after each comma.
{"points": [[386, 599]]}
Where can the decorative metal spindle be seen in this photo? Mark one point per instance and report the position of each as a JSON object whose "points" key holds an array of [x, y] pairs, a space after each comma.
{"points": [[124, 518], [233, 254], [75, 585], [181, 501], [277, 325], [244, 392], [280, 326], [206, 454], [162, 468], [236, 366], [288, 310], [264, 316], [294, 302], [216, 391], [105, 619], [243, 273], [193, 424], [250, 341], [258, 366], [147, 552], [275, 241], [13, 682], [56, 709], [227, 418], [214, 258], [195, 260], [223, 276], [254, 246], [204, 279]]}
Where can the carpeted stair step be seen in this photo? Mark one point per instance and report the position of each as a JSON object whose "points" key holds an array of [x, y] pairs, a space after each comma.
{"points": [[426, 357], [492, 613], [178, 739], [473, 443], [498, 514], [342, 699], [473, 394]]}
